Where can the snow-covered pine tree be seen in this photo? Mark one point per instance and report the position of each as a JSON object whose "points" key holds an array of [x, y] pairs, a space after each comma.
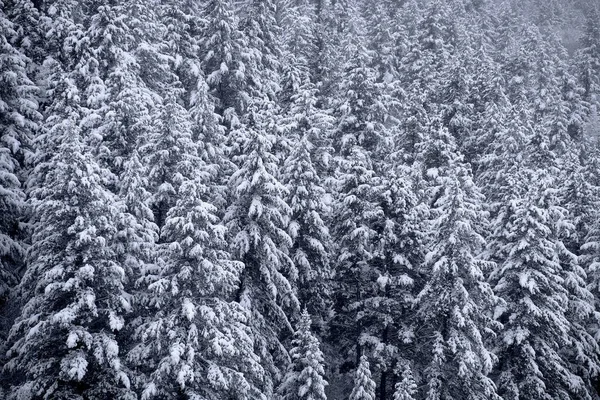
{"points": [[531, 280], [430, 47], [498, 168], [124, 104], [357, 213], [195, 341], [583, 351], [454, 307], [170, 154], [258, 219], [18, 122], [223, 50], [569, 111], [300, 52], [384, 37], [587, 189], [305, 379], [406, 388], [389, 312], [311, 239], [580, 198], [490, 106], [137, 234], [356, 209], [184, 26], [364, 386], [58, 56], [63, 343], [300, 35], [339, 24], [210, 136], [263, 52], [588, 57]]}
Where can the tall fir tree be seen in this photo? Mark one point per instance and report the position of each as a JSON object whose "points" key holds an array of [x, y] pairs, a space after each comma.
{"points": [[259, 26], [195, 341], [305, 379], [531, 281], [224, 58], [258, 219], [406, 389], [306, 124], [19, 119], [454, 306], [63, 344], [364, 386], [589, 56]]}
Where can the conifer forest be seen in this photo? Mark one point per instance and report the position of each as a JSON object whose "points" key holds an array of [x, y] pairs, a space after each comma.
{"points": [[300, 199]]}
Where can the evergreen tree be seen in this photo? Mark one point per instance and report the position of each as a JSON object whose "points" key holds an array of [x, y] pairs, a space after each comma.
{"points": [[453, 307], [389, 310], [531, 280], [184, 35], [258, 220], [589, 56], [305, 379], [301, 34], [183, 29], [63, 343], [423, 68], [170, 154], [357, 217], [263, 50], [18, 122], [224, 54], [311, 239], [588, 188], [137, 234], [195, 341], [364, 386], [123, 103], [370, 280], [406, 388]]}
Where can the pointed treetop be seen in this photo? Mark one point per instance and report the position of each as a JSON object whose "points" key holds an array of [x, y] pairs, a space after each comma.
{"points": [[364, 385]]}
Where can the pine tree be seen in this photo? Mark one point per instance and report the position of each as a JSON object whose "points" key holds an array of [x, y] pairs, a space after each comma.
{"points": [[364, 386], [589, 56], [305, 379], [490, 105], [18, 122], [122, 97], [263, 50], [364, 213], [311, 239], [406, 389], [223, 52], [301, 34], [389, 309], [357, 213], [184, 35], [63, 343], [531, 280], [453, 307], [424, 67], [588, 188], [183, 25], [195, 342], [137, 234], [169, 152], [258, 220]]}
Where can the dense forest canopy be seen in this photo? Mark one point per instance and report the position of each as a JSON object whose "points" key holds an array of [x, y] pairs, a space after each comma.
{"points": [[300, 199]]}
